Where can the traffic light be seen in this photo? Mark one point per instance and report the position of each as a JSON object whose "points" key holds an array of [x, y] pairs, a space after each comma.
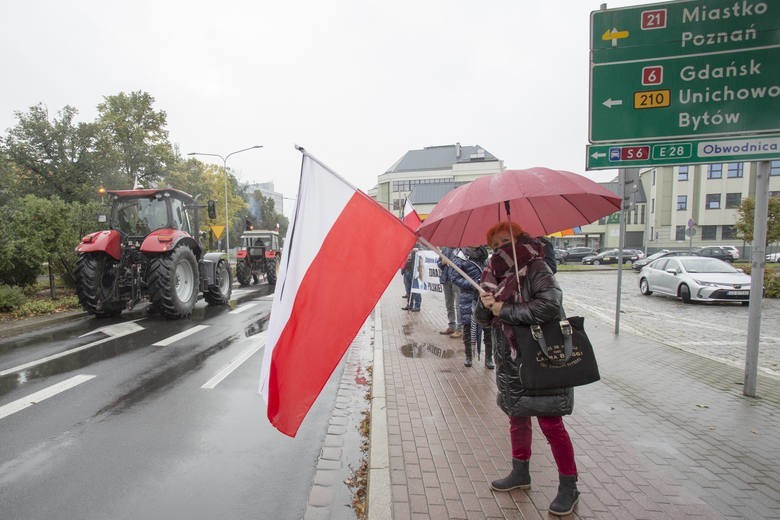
{"points": [[212, 209]]}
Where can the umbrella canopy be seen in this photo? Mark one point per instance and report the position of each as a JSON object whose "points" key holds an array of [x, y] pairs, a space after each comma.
{"points": [[541, 201]]}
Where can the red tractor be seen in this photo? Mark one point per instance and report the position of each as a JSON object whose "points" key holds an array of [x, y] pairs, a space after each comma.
{"points": [[259, 253], [151, 250]]}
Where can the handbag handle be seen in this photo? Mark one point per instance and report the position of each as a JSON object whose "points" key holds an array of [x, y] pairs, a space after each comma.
{"points": [[566, 330]]}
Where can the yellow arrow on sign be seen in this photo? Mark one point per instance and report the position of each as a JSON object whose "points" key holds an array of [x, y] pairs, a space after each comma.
{"points": [[614, 35], [217, 230]]}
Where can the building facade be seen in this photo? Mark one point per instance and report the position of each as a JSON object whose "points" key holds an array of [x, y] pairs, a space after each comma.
{"points": [[703, 198], [434, 170]]}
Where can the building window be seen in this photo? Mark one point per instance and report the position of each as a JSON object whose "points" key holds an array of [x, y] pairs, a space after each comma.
{"points": [[713, 201], [652, 205], [408, 184], [735, 170], [728, 233], [733, 200], [715, 171], [682, 202], [679, 233], [398, 204], [682, 173], [642, 215], [654, 177], [708, 232], [774, 168]]}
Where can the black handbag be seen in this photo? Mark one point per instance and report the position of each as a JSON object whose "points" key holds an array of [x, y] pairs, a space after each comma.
{"points": [[557, 354]]}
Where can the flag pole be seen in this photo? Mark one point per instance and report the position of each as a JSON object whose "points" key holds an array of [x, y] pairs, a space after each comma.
{"points": [[449, 262]]}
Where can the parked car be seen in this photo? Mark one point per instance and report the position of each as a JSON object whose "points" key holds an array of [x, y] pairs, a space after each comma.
{"points": [[560, 255], [733, 250], [639, 264], [695, 278], [610, 256], [773, 257], [719, 252], [576, 254]]}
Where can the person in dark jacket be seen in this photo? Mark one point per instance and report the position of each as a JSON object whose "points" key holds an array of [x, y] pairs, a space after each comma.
{"points": [[471, 261], [413, 300], [524, 295]]}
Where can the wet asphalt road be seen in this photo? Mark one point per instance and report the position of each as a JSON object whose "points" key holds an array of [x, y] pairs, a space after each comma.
{"points": [[148, 420], [716, 331]]}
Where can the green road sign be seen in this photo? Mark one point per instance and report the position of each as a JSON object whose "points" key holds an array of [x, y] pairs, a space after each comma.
{"points": [[682, 28], [707, 151], [687, 69]]}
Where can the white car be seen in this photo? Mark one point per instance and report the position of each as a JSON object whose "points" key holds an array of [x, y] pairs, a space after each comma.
{"points": [[695, 278], [733, 250], [773, 257]]}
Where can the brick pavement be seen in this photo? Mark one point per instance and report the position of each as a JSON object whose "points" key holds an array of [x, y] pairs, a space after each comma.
{"points": [[664, 434]]}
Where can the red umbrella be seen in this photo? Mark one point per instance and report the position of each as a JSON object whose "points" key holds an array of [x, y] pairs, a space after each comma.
{"points": [[540, 200]]}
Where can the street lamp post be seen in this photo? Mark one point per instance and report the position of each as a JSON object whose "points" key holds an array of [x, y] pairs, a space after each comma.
{"points": [[224, 169]]}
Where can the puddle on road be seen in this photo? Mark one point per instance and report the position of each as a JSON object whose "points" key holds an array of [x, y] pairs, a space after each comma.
{"points": [[416, 350]]}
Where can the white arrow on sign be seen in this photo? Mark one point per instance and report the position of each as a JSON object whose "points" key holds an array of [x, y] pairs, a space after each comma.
{"points": [[597, 155], [609, 103]]}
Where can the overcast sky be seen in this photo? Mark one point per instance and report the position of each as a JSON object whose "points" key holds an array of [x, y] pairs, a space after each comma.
{"points": [[356, 82]]}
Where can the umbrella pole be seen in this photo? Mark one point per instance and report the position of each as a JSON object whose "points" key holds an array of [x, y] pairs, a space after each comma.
{"points": [[512, 238], [449, 262]]}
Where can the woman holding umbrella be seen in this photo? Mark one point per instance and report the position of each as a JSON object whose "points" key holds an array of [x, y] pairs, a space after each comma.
{"points": [[520, 289]]}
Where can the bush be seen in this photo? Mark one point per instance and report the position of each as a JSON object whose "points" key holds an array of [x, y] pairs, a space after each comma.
{"points": [[771, 280], [10, 298]]}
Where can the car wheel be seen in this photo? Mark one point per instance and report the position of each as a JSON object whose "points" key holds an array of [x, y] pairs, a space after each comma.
{"points": [[644, 287], [596, 262], [685, 293]]}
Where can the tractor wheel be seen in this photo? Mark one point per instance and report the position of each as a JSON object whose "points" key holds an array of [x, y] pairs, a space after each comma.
{"points": [[243, 273], [173, 283], [270, 274], [220, 294], [95, 279]]}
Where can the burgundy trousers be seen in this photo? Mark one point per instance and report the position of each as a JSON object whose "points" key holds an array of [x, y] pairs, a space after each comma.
{"points": [[520, 434]]}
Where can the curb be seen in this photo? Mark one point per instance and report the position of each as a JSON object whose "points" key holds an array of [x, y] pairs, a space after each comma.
{"points": [[379, 490]]}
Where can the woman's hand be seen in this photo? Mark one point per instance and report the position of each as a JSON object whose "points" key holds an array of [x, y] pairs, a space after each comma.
{"points": [[490, 302]]}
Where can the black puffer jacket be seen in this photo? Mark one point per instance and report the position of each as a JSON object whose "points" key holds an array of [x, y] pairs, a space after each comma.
{"points": [[542, 302]]}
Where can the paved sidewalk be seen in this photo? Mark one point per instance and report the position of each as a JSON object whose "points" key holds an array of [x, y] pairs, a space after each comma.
{"points": [[664, 434]]}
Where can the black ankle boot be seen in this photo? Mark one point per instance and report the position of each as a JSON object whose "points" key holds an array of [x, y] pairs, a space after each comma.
{"points": [[489, 351], [519, 478], [467, 362], [567, 496]]}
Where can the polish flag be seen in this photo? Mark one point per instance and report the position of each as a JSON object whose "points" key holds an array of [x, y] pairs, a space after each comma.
{"points": [[341, 251], [411, 218]]}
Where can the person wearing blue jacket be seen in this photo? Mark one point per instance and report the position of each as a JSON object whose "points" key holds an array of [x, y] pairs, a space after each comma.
{"points": [[471, 260]]}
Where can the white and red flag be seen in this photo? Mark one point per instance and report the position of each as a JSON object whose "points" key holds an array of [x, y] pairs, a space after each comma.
{"points": [[341, 251], [411, 218]]}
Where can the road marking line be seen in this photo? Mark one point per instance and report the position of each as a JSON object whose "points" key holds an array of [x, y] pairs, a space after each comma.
{"points": [[235, 363], [64, 353], [41, 395], [181, 335], [244, 308]]}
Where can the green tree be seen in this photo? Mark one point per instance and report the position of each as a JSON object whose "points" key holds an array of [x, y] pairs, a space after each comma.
{"points": [[746, 218], [267, 217], [38, 226], [133, 140], [51, 158]]}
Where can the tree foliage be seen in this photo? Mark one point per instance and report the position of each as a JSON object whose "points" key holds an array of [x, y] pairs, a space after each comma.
{"points": [[746, 219], [44, 230], [51, 158], [132, 137], [262, 211]]}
